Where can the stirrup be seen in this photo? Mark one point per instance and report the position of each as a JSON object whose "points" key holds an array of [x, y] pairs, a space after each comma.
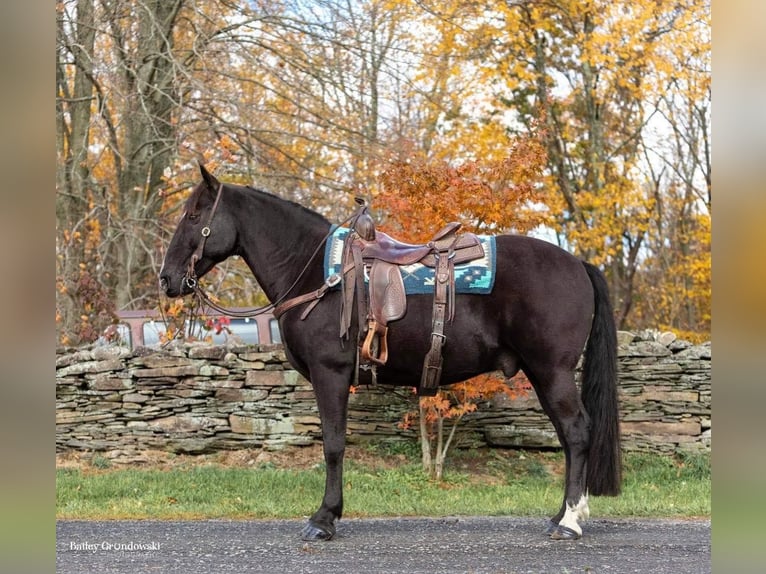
{"points": [[375, 346]]}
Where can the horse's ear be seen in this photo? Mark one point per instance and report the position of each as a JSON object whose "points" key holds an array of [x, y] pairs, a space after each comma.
{"points": [[209, 179]]}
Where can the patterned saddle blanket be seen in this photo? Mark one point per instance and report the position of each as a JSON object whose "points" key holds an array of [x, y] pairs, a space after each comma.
{"points": [[476, 277]]}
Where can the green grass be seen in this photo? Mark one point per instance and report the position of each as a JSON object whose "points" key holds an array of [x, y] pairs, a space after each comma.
{"points": [[528, 484]]}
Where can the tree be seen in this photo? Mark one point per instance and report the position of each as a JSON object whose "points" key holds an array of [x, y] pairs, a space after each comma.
{"points": [[675, 291], [74, 199], [594, 76], [117, 90], [315, 100], [292, 97], [488, 197], [452, 404]]}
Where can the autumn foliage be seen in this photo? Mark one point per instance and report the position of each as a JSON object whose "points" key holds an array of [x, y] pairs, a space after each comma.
{"points": [[441, 414], [591, 117], [420, 195]]}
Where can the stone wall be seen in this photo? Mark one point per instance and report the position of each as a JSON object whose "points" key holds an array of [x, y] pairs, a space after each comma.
{"points": [[194, 399]]}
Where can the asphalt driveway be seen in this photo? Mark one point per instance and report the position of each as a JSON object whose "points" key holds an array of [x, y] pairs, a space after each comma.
{"points": [[391, 545]]}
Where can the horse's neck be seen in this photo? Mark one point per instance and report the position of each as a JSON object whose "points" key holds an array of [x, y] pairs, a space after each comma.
{"points": [[276, 240]]}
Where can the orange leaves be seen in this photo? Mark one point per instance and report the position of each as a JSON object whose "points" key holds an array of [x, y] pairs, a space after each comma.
{"points": [[452, 404], [421, 195], [455, 401], [408, 421], [311, 112]]}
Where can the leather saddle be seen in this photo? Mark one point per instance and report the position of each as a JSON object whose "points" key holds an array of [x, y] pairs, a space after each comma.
{"points": [[378, 256]]}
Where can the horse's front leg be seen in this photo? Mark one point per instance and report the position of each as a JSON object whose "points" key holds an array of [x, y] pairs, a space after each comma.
{"points": [[332, 390]]}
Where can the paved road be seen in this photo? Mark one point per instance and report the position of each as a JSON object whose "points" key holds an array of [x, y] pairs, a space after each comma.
{"points": [[390, 546]]}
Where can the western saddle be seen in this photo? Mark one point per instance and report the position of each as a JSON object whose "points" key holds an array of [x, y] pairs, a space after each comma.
{"points": [[377, 256]]}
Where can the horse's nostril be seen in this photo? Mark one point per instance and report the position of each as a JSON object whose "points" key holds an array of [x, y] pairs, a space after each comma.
{"points": [[164, 283]]}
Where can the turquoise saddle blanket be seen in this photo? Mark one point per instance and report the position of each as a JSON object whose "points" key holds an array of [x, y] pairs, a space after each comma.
{"points": [[475, 277]]}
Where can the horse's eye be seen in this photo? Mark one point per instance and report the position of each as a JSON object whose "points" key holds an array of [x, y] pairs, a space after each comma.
{"points": [[193, 216]]}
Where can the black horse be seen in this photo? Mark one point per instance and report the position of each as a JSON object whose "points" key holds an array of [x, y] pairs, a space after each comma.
{"points": [[545, 305]]}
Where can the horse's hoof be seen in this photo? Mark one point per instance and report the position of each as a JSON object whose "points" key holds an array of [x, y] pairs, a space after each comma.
{"points": [[312, 532], [565, 533], [552, 526]]}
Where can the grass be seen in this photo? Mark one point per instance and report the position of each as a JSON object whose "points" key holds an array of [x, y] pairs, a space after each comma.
{"points": [[521, 483]]}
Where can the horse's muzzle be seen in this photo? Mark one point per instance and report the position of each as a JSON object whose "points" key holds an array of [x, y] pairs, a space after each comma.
{"points": [[167, 287]]}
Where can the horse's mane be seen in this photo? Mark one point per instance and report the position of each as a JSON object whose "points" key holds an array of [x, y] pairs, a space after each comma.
{"points": [[190, 205], [294, 204]]}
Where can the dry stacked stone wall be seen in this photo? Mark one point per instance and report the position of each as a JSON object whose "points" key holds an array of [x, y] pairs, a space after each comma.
{"points": [[192, 398]]}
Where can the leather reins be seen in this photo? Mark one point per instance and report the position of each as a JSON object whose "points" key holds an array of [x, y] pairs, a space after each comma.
{"points": [[192, 281]]}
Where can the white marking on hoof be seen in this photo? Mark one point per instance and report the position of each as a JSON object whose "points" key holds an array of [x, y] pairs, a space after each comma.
{"points": [[575, 514]]}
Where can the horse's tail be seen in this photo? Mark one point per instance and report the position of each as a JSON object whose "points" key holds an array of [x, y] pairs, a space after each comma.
{"points": [[599, 394]]}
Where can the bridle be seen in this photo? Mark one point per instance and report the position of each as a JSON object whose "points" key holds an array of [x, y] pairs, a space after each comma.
{"points": [[191, 276], [192, 281]]}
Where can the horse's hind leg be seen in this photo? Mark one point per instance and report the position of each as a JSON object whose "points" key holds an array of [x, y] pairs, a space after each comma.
{"points": [[561, 401]]}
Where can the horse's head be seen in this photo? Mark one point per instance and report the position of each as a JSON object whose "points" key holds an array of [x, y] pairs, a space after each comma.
{"points": [[205, 235]]}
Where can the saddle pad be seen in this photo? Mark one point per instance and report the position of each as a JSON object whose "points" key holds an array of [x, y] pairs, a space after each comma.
{"points": [[476, 277]]}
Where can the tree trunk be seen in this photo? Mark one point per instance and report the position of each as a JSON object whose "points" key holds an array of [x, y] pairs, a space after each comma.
{"points": [[73, 117], [439, 462], [425, 443], [148, 146]]}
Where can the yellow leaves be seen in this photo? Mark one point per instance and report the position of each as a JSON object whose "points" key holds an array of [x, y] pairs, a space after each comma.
{"points": [[176, 308], [676, 286], [315, 119], [94, 235], [228, 143], [70, 236]]}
